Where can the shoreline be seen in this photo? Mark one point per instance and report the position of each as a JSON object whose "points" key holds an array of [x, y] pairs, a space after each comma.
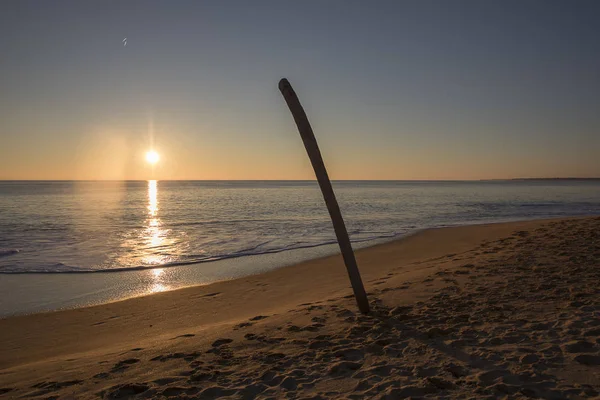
{"points": [[35, 292], [421, 288]]}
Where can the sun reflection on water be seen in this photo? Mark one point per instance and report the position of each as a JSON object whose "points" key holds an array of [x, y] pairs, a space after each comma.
{"points": [[152, 198], [158, 286], [151, 245], [155, 237], [157, 272]]}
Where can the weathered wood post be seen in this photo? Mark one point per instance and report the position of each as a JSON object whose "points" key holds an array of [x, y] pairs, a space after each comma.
{"points": [[310, 143]]}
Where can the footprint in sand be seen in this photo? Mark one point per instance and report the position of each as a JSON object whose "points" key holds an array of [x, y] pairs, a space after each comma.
{"points": [[350, 354], [215, 392], [187, 335], [165, 381], [258, 318], [180, 391], [344, 313], [221, 342], [211, 294], [320, 344], [344, 368], [124, 391], [580, 346], [588, 359], [124, 364], [52, 385], [313, 327], [172, 356]]}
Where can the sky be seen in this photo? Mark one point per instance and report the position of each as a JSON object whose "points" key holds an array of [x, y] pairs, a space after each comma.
{"points": [[393, 89]]}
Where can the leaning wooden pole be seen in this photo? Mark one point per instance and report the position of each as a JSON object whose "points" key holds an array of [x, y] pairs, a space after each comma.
{"points": [[310, 143]]}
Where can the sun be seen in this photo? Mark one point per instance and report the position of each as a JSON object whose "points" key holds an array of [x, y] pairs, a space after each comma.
{"points": [[152, 157]]}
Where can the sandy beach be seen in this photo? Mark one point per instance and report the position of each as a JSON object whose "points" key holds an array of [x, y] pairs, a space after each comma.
{"points": [[507, 310]]}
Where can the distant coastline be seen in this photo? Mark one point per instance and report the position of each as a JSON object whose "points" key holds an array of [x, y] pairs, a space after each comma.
{"points": [[552, 179]]}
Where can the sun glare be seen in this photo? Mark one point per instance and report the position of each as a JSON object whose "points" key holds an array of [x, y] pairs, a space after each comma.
{"points": [[152, 157]]}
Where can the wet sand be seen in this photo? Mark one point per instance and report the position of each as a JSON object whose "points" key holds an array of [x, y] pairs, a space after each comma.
{"points": [[489, 311]]}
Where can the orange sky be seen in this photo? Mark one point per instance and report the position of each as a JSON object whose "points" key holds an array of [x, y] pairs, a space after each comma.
{"points": [[399, 90]]}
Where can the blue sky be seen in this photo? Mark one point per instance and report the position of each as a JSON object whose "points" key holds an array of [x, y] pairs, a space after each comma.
{"points": [[394, 89]]}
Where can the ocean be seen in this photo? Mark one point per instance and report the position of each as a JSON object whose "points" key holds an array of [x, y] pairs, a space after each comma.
{"points": [[189, 229]]}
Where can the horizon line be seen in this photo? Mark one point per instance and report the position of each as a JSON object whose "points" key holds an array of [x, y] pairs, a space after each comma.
{"points": [[298, 180]]}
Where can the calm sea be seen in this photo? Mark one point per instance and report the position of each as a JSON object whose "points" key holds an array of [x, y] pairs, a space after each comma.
{"points": [[73, 244], [65, 227]]}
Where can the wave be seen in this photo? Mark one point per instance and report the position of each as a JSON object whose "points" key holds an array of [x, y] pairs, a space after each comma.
{"points": [[60, 268]]}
